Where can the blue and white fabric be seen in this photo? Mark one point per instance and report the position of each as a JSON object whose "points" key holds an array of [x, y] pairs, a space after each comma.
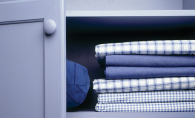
{"points": [[148, 97], [147, 107], [164, 47], [118, 72], [149, 84]]}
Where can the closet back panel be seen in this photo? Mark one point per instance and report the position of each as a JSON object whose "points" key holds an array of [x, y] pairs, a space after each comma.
{"points": [[84, 33]]}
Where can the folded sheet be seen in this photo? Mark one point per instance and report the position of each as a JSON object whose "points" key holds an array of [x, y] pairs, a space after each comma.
{"points": [[147, 107], [148, 97], [165, 47], [150, 61], [150, 84], [114, 72]]}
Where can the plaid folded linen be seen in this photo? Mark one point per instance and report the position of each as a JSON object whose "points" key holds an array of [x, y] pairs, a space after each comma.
{"points": [[147, 107], [148, 97], [164, 47], [149, 84]]}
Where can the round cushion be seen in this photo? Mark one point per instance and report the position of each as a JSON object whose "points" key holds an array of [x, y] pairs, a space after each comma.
{"points": [[78, 83]]}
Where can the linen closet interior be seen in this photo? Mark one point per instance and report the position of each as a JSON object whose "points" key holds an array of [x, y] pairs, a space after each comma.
{"points": [[84, 33], [89, 23]]}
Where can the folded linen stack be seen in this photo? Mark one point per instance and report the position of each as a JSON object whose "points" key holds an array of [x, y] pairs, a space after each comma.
{"points": [[146, 76]]}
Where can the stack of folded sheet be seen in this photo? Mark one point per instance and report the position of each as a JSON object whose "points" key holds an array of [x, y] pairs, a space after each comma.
{"points": [[146, 76]]}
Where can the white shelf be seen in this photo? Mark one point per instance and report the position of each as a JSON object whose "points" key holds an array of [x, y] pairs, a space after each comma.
{"points": [[130, 13], [133, 114]]}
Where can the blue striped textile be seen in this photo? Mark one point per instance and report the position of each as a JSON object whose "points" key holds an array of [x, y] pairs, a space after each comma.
{"points": [[150, 61], [115, 72]]}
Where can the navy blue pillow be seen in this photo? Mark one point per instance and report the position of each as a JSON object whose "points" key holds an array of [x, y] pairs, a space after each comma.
{"points": [[78, 83]]}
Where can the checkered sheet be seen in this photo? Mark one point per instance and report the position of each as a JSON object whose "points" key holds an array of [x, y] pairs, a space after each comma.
{"points": [[164, 47], [148, 97], [147, 107], [150, 84]]}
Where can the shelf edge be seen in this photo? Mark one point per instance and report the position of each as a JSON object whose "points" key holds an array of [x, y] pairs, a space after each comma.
{"points": [[130, 13]]}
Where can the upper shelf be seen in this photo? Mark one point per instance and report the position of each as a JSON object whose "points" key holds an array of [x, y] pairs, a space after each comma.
{"points": [[130, 13]]}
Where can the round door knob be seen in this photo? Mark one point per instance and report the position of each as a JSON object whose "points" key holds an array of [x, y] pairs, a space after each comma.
{"points": [[49, 26]]}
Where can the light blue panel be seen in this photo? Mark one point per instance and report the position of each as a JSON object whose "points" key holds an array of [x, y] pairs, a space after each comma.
{"points": [[31, 62], [22, 70], [12, 0], [188, 4], [123, 5], [25, 9]]}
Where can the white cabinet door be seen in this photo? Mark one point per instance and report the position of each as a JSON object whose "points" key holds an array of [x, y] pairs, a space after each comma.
{"points": [[32, 63]]}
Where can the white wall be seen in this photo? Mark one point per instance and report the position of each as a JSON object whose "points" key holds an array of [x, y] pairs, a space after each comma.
{"points": [[124, 4]]}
